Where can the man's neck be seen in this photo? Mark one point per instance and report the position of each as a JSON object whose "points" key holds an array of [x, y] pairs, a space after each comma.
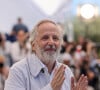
{"points": [[50, 66]]}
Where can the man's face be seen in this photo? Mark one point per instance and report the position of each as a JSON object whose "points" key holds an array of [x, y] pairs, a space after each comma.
{"points": [[47, 43], [21, 36]]}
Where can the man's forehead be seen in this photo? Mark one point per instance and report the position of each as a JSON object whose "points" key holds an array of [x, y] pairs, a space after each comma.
{"points": [[45, 21], [47, 27], [47, 24]]}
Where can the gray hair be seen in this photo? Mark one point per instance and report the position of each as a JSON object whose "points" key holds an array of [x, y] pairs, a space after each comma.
{"points": [[35, 32]]}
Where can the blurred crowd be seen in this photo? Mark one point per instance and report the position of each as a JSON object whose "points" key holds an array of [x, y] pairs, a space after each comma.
{"points": [[81, 55]]}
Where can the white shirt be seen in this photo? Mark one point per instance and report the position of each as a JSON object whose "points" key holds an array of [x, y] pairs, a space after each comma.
{"points": [[27, 74], [17, 53]]}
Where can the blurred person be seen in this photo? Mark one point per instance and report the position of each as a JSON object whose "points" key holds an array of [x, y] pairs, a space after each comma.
{"points": [[66, 59], [11, 37], [64, 44], [86, 69], [70, 48], [19, 26], [21, 47], [91, 50], [5, 49], [67, 56], [92, 53], [81, 40], [4, 70], [78, 56], [41, 70], [78, 52], [95, 67]]}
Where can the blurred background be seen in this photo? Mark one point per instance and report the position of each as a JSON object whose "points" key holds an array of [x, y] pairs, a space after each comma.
{"points": [[80, 20]]}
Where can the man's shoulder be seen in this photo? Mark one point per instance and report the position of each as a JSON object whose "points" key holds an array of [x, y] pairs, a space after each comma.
{"points": [[24, 63], [17, 76], [20, 65]]}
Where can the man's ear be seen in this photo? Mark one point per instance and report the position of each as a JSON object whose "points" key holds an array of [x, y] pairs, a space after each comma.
{"points": [[33, 46]]}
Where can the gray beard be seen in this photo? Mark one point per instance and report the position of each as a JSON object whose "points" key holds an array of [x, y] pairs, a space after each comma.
{"points": [[48, 57]]}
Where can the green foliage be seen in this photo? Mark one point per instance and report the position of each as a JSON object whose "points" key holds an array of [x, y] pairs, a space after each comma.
{"points": [[88, 29]]}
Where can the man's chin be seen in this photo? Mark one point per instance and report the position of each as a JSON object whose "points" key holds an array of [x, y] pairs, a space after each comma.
{"points": [[50, 56], [50, 52]]}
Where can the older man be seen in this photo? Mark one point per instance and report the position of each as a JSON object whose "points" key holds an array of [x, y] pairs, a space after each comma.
{"points": [[40, 70]]}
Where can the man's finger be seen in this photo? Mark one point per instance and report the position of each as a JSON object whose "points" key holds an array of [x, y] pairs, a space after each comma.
{"points": [[72, 83], [80, 79], [59, 69], [59, 72]]}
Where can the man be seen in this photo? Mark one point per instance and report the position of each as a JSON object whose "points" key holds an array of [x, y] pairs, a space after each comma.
{"points": [[20, 48], [40, 70], [19, 26], [4, 70]]}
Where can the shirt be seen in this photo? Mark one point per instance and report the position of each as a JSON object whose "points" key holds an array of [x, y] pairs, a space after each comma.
{"points": [[18, 53], [31, 74]]}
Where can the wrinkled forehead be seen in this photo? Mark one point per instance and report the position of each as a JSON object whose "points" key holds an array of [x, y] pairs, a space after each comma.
{"points": [[45, 27], [48, 27], [45, 21]]}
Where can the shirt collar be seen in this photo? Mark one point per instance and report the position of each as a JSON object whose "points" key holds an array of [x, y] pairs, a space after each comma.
{"points": [[35, 64]]}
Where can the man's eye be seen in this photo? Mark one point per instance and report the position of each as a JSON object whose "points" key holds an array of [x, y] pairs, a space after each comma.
{"points": [[55, 38], [45, 37]]}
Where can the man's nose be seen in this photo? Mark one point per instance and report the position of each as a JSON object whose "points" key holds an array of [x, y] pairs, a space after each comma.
{"points": [[51, 41]]}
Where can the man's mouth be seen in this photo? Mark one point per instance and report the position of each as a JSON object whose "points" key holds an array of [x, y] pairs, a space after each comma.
{"points": [[50, 49]]}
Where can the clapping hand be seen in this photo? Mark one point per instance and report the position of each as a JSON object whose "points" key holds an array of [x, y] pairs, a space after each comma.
{"points": [[81, 84], [58, 78]]}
